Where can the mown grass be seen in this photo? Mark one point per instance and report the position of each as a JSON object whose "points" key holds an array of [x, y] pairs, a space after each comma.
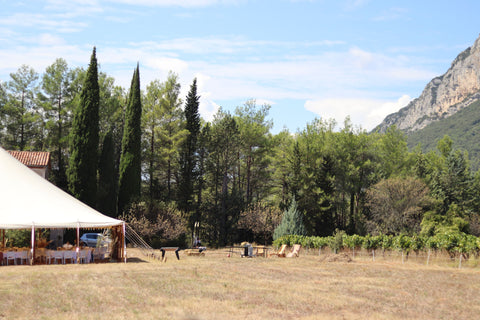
{"points": [[218, 287]]}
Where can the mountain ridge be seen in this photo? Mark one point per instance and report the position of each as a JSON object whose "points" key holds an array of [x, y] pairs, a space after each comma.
{"points": [[463, 127], [443, 96]]}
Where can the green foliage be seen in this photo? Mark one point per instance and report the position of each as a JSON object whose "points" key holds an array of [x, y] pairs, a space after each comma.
{"points": [[396, 205], [18, 238], [82, 170], [291, 224], [159, 223], [130, 159], [107, 201], [402, 243], [336, 242], [254, 145], [215, 171], [22, 128], [454, 243], [393, 153], [188, 152], [57, 103], [352, 241], [435, 222], [371, 242], [164, 137], [462, 127]]}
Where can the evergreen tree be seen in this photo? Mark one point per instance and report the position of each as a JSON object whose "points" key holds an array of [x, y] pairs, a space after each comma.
{"points": [[22, 119], [130, 163], [188, 155], [253, 126], [171, 134], [292, 223], [57, 95], [151, 121], [3, 101], [107, 202], [82, 171]]}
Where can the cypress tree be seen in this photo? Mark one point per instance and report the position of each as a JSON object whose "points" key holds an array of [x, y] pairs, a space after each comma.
{"points": [[82, 170], [188, 153], [107, 201], [130, 164]]}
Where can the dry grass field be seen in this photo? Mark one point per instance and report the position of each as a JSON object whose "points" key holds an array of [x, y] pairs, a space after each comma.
{"points": [[218, 287]]}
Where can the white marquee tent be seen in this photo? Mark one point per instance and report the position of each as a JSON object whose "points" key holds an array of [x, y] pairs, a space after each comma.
{"points": [[27, 201]]}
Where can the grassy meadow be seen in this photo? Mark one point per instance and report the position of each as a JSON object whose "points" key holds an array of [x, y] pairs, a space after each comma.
{"points": [[218, 287]]}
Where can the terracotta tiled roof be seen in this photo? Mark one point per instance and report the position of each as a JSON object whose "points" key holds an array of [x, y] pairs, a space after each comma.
{"points": [[32, 159]]}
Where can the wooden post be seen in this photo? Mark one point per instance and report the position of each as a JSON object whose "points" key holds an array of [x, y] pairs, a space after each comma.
{"points": [[124, 253]]}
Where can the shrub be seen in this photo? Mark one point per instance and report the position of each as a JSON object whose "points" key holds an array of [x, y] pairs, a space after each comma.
{"points": [[292, 223]]}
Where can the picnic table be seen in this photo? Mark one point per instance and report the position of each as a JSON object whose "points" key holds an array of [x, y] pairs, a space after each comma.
{"points": [[176, 249], [249, 251]]}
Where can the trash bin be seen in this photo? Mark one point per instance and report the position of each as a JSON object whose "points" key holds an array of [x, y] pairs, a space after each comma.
{"points": [[245, 251]]}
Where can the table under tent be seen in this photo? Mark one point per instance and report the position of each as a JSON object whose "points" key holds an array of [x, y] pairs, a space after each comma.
{"points": [[28, 201]]}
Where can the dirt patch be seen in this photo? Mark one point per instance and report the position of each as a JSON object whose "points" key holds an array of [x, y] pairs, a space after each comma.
{"points": [[341, 257]]}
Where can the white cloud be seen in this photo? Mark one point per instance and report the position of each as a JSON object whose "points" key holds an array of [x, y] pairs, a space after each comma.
{"points": [[392, 14], [367, 113], [42, 56], [47, 39], [235, 45], [354, 4], [74, 8], [234, 68], [177, 3], [42, 21]]}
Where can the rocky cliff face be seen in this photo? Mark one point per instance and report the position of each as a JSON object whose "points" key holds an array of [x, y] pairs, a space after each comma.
{"points": [[443, 96]]}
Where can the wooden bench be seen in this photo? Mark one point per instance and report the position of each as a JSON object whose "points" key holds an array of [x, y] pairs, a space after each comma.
{"points": [[176, 249]]}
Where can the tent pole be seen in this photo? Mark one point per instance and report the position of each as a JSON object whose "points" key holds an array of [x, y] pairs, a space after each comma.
{"points": [[32, 262], [78, 239], [124, 244]]}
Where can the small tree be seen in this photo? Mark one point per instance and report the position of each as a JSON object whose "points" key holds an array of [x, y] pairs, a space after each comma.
{"points": [[292, 223], [260, 219]]}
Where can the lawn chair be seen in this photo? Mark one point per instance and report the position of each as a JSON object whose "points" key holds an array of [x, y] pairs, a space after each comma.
{"points": [[69, 255], [49, 256], [22, 256], [295, 251], [10, 256], [84, 256], [56, 256], [280, 253], [261, 252]]}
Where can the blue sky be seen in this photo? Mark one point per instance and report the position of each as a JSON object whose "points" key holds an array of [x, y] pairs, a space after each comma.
{"points": [[307, 59]]}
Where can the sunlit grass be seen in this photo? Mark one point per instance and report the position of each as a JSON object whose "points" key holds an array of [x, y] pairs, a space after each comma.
{"points": [[218, 287]]}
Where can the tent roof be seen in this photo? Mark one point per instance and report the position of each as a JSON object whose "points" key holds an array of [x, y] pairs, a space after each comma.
{"points": [[27, 199]]}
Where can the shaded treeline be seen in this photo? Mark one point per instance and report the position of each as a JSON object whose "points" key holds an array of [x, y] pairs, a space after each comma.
{"points": [[230, 179]]}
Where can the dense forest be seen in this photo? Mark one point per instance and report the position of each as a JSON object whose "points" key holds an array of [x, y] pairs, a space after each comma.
{"points": [[149, 158], [462, 127]]}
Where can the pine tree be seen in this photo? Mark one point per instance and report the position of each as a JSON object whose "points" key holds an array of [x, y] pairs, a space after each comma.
{"points": [[57, 109], [21, 110], [130, 164], [292, 223], [82, 171], [188, 158]]}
